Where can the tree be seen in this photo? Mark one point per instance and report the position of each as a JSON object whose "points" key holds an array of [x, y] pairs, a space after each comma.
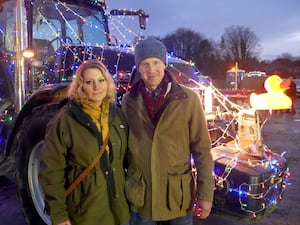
{"points": [[239, 44], [192, 46], [184, 43]]}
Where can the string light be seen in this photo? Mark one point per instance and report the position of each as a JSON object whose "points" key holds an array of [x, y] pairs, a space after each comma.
{"points": [[266, 193], [123, 31], [254, 195]]}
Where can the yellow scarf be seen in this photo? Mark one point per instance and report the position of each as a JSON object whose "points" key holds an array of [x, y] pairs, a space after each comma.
{"points": [[99, 115]]}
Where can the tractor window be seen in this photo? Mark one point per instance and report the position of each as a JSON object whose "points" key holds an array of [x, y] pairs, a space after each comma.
{"points": [[63, 24], [93, 31], [7, 30]]}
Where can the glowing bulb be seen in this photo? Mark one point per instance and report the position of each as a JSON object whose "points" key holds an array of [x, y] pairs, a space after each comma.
{"points": [[28, 53]]}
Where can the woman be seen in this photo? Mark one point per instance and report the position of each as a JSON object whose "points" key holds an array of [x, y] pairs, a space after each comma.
{"points": [[73, 139]]}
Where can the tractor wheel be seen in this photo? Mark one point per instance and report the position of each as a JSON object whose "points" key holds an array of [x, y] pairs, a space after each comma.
{"points": [[30, 140]]}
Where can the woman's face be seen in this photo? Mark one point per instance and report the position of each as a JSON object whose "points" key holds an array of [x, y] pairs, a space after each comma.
{"points": [[94, 85]]}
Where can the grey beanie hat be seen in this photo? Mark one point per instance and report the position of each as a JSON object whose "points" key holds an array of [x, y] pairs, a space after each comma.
{"points": [[150, 48]]}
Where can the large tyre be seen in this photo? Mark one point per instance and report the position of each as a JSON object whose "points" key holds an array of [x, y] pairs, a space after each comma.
{"points": [[29, 145]]}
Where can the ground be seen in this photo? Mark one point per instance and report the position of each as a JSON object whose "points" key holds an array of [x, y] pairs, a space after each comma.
{"points": [[280, 133]]}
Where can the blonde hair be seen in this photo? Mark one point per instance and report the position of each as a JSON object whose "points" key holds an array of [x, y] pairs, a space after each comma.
{"points": [[75, 89]]}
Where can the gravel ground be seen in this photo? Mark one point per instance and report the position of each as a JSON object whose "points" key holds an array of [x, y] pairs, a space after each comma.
{"points": [[281, 133]]}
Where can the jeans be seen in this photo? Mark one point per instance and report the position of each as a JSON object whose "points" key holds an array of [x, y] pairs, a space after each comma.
{"points": [[137, 219]]}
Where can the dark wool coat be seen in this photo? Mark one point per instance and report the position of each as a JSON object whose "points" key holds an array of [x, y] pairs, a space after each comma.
{"points": [[158, 184], [72, 141]]}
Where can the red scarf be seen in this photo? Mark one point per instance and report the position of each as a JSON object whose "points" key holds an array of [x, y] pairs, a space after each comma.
{"points": [[154, 100]]}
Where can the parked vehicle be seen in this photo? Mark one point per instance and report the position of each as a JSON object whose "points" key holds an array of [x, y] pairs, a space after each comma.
{"points": [[240, 84], [297, 82]]}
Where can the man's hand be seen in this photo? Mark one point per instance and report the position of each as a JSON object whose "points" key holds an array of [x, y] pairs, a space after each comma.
{"points": [[67, 222], [202, 209]]}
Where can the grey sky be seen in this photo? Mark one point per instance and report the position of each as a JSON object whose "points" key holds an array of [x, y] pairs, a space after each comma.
{"points": [[275, 22]]}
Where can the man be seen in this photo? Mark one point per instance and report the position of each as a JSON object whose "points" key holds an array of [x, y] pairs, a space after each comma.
{"points": [[167, 125]]}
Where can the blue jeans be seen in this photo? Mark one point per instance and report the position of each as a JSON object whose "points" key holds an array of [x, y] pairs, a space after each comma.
{"points": [[137, 219]]}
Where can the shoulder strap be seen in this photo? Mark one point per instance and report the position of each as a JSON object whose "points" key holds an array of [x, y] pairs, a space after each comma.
{"points": [[87, 169]]}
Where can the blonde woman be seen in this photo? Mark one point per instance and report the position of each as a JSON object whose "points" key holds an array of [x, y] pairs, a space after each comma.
{"points": [[73, 139]]}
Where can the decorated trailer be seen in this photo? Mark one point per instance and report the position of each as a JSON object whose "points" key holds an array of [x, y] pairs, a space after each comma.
{"points": [[42, 43]]}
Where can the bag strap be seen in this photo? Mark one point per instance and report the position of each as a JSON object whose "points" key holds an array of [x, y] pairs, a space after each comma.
{"points": [[87, 169]]}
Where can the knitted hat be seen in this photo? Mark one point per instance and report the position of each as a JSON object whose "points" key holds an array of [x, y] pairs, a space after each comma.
{"points": [[149, 48]]}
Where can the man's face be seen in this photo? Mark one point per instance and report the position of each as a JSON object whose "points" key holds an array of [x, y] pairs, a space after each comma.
{"points": [[152, 71]]}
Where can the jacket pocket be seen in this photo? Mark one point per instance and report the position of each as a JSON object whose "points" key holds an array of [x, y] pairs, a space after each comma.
{"points": [[179, 187], [135, 188]]}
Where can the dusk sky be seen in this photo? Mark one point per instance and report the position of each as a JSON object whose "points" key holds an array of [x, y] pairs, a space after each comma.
{"points": [[275, 22]]}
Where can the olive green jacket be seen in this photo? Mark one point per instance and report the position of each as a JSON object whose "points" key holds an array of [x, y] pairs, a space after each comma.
{"points": [[159, 181], [71, 143]]}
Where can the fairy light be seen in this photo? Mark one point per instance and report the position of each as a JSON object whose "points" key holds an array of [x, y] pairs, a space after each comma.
{"points": [[66, 21], [123, 34], [267, 192], [45, 20], [60, 8], [117, 25]]}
